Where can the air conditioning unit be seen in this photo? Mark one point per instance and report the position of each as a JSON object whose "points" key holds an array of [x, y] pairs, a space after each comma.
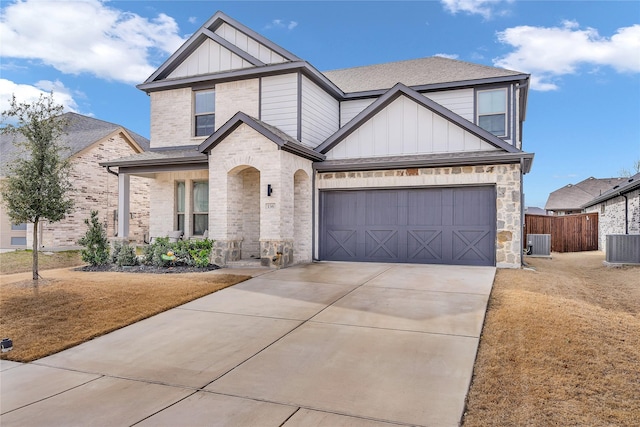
{"points": [[539, 244], [623, 248]]}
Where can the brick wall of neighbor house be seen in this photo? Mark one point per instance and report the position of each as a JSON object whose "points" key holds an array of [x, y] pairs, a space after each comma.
{"points": [[162, 194], [505, 177], [611, 216], [171, 122], [276, 167], [96, 189], [237, 96]]}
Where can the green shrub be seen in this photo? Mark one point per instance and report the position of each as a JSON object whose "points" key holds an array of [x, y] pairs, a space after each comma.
{"points": [[194, 253], [95, 241], [123, 254]]}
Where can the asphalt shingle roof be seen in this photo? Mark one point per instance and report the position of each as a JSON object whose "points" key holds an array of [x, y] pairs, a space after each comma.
{"points": [[624, 186], [81, 132], [413, 72], [574, 196]]}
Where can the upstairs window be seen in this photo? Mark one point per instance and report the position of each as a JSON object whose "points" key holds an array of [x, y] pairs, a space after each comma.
{"points": [[492, 111], [205, 112]]}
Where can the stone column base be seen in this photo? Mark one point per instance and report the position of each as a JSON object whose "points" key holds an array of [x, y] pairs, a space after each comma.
{"points": [[276, 253], [224, 251]]}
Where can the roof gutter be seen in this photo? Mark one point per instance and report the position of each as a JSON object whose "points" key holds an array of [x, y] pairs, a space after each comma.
{"points": [[110, 171]]}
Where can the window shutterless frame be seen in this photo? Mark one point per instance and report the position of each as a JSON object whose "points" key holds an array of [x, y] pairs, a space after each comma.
{"points": [[204, 102], [180, 192], [200, 201], [491, 108]]}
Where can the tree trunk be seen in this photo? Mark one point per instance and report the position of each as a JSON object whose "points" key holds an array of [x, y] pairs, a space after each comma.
{"points": [[35, 250]]}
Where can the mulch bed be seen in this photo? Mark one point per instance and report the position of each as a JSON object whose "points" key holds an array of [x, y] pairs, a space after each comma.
{"points": [[149, 269]]}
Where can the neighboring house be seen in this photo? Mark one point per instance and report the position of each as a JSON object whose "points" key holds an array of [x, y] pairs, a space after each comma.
{"points": [[415, 161], [532, 210], [570, 198], [90, 141], [618, 209]]}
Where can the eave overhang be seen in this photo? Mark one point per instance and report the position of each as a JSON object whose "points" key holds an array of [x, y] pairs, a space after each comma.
{"points": [[283, 141], [426, 161]]}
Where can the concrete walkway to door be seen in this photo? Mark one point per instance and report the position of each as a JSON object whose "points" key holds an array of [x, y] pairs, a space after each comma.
{"points": [[323, 344]]}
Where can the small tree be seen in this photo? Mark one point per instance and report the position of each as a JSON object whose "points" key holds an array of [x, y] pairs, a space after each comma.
{"points": [[37, 185], [624, 172], [96, 251]]}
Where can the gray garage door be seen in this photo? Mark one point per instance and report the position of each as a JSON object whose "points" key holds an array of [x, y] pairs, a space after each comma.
{"points": [[420, 225]]}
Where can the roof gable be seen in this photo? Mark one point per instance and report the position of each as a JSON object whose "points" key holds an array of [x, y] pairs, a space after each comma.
{"points": [[574, 196], [624, 185], [221, 44], [465, 135], [283, 140], [81, 132]]}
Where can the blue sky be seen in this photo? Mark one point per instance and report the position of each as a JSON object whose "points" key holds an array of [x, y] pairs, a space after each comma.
{"points": [[584, 57]]}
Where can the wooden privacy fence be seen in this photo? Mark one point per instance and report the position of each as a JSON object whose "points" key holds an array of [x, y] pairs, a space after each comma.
{"points": [[569, 233]]}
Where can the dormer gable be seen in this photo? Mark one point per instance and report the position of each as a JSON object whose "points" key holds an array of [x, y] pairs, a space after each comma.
{"points": [[221, 44]]}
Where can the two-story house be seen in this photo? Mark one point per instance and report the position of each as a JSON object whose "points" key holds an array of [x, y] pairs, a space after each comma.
{"points": [[418, 161]]}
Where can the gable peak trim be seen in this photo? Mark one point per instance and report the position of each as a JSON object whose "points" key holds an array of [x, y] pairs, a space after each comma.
{"points": [[394, 93]]}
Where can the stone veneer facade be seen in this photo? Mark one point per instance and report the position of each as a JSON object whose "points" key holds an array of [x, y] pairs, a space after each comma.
{"points": [[506, 178], [611, 216], [97, 189]]}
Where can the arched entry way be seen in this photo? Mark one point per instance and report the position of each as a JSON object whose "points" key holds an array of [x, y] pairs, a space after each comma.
{"points": [[243, 194]]}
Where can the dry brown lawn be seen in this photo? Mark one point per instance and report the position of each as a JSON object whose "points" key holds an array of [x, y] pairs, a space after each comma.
{"points": [[20, 261], [560, 346], [70, 307]]}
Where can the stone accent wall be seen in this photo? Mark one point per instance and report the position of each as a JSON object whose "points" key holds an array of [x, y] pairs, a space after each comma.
{"points": [[611, 216], [224, 251], [506, 178], [163, 201], [96, 189], [231, 97], [276, 253]]}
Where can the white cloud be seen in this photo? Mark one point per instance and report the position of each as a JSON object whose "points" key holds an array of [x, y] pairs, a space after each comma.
{"points": [[279, 23], [31, 93], [193, 19], [548, 53], [485, 8], [447, 55], [87, 37]]}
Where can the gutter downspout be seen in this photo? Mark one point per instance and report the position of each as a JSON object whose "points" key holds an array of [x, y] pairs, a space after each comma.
{"points": [[111, 172], [626, 213]]}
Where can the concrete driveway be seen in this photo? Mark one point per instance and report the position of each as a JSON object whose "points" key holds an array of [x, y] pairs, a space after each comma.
{"points": [[323, 344]]}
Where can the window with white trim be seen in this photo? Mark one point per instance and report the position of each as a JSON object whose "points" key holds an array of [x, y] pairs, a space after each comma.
{"points": [[200, 202], [492, 111], [205, 112]]}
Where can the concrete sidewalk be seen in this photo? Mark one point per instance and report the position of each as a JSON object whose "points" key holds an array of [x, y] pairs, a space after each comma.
{"points": [[323, 344]]}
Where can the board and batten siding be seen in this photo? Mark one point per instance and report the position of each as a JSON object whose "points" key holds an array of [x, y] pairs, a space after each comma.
{"points": [[319, 114], [248, 44], [209, 57], [460, 101], [405, 127], [279, 102]]}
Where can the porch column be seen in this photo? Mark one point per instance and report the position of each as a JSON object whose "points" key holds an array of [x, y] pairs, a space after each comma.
{"points": [[123, 205]]}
